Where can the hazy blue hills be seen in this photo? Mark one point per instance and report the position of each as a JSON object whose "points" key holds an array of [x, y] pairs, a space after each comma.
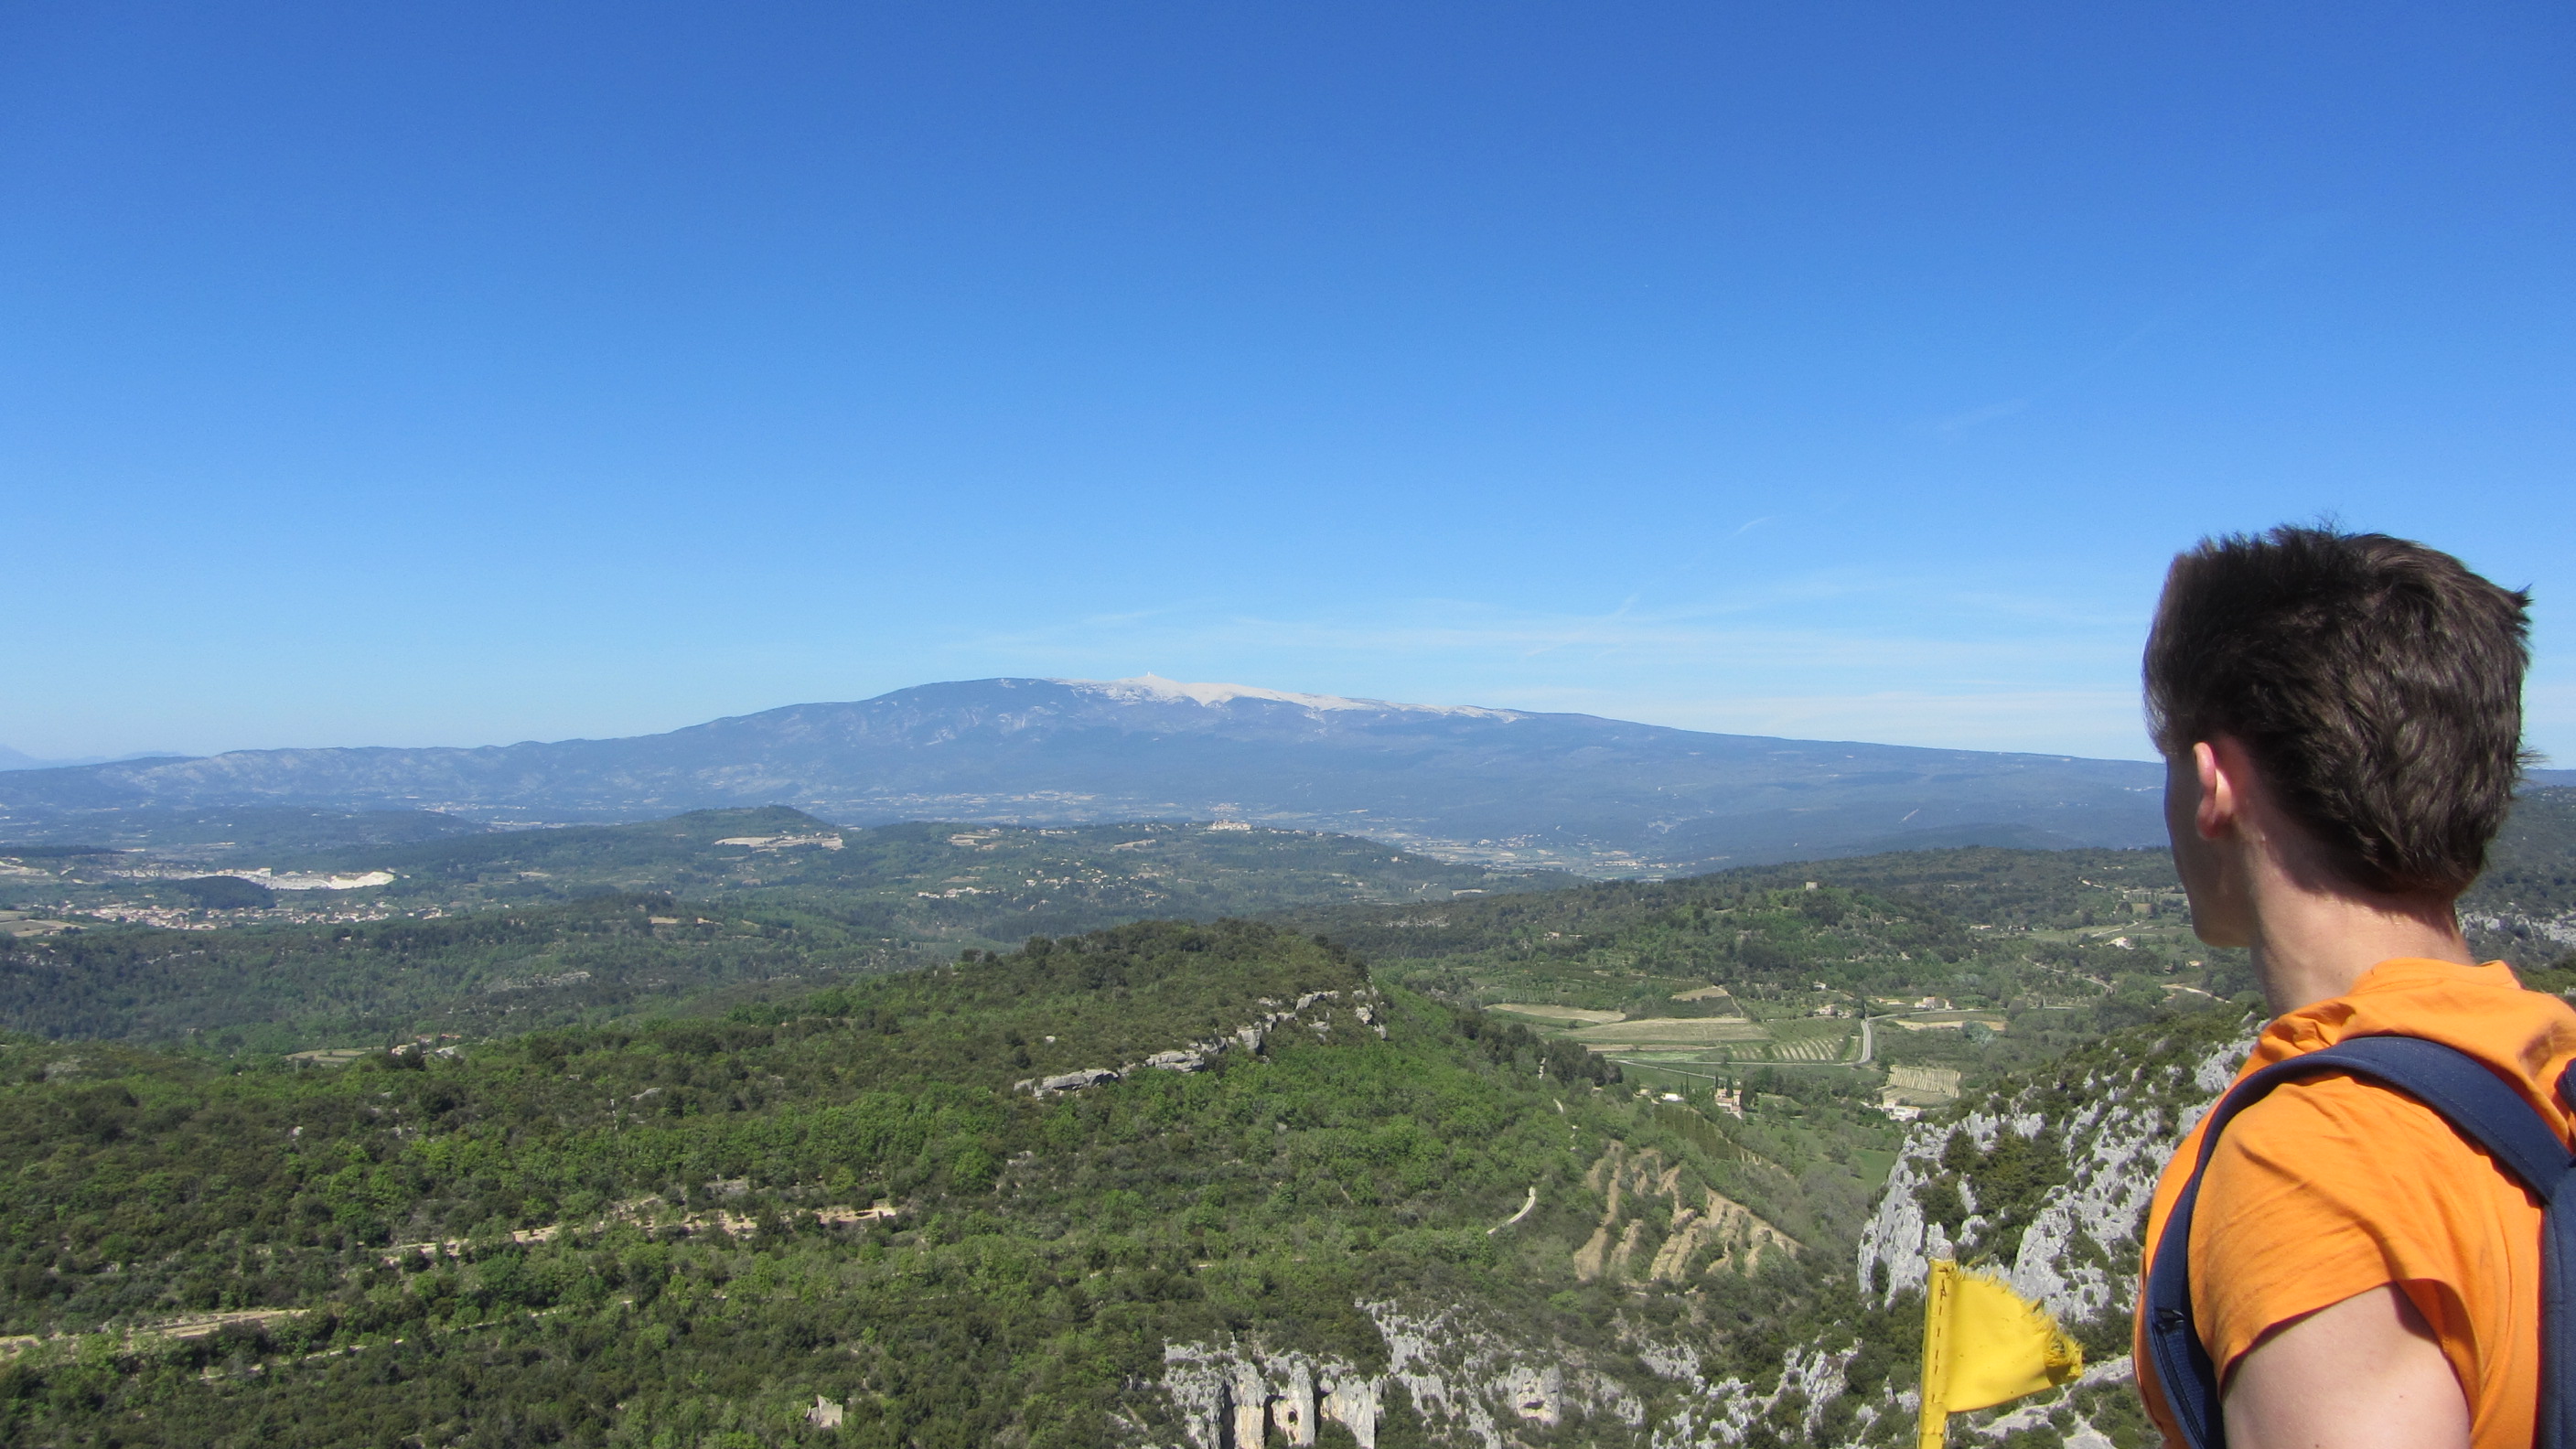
{"points": [[1499, 786], [251, 834], [20, 760]]}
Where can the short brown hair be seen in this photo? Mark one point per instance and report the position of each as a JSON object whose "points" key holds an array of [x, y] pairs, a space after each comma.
{"points": [[2377, 683]]}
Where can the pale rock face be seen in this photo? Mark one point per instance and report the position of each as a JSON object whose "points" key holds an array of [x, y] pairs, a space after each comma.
{"points": [[1250, 1397], [1676, 1361], [1458, 1373], [1467, 1381], [2118, 1153], [1198, 1384], [1630, 1184], [1352, 1402], [2220, 1067], [1476, 1382], [1534, 1393], [2559, 928], [1898, 1235], [1719, 1415], [311, 881], [1292, 1408], [1226, 1395], [2078, 1254], [1196, 1055]]}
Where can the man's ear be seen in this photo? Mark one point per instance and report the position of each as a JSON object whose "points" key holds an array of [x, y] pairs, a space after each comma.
{"points": [[2222, 766]]}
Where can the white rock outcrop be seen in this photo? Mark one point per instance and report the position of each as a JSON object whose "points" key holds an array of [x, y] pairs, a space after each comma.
{"points": [[2079, 1250], [1467, 1382], [1227, 1395], [1197, 1055], [1473, 1382]]}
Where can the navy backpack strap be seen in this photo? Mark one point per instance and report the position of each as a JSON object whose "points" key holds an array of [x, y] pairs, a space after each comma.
{"points": [[2481, 1107]]}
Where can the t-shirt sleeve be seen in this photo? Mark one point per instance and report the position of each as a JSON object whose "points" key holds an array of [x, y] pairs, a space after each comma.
{"points": [[2327, 1188]]}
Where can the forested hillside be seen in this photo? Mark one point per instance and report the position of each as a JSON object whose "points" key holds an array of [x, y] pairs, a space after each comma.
{"points": [[285, 988], [689, 1231], [1584, 1166], [930, 879], [858, 1217], [2524, 907], [953, 884], [1978, 960], [250, 835], [326, 946]]}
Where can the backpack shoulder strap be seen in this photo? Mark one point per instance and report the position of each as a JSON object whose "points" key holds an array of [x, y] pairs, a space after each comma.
{"points": [[2481, 1107]]}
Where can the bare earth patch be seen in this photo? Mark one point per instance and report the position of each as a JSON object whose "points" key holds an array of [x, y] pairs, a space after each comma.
{"points": [[1683, 1031], [1559, 1013]]}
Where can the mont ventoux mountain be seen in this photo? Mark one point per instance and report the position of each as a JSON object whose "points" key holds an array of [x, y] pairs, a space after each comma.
{"points": [[1466, 783]]}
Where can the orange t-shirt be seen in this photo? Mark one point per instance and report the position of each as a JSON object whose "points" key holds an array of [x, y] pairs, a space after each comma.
{"points": [[2331, 1187]]}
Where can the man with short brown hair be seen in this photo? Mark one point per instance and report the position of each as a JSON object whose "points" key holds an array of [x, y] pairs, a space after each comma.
{"points": [[2340, 716]]}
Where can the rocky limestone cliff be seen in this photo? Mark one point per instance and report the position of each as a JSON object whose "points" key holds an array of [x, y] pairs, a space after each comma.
{"points": [[2047, 1176], [2500, 930], [1466, 1382], [2052, 1176]]}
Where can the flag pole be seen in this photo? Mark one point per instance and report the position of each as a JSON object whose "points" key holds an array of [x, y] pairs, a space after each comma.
{"points": [[1933, 1429]]}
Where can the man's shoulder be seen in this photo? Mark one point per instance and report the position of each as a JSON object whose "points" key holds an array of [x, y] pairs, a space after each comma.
{"points": [[2335, 1119], [2340, 1156], [2334, 1185], [2527, 1038]]}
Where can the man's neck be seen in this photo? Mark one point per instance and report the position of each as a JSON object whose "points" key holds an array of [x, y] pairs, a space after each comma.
{"points": [[2311, 946], [2257, 879]]}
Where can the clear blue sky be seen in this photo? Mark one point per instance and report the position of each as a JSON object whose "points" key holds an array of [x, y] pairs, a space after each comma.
{"points": [[466, 373]]}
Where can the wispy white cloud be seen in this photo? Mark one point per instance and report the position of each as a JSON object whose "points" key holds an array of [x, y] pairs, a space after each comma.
{"points": [[1810, 657]]}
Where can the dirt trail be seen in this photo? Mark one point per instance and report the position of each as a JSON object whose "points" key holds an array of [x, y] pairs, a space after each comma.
{"points": [[181, 1328]]}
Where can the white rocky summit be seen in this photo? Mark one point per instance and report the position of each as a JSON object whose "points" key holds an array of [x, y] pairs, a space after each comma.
{"points": [[1155, 688]]}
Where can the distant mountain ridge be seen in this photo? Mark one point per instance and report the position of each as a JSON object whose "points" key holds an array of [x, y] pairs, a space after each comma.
{"points": [[20, 760], [1495, 785]]}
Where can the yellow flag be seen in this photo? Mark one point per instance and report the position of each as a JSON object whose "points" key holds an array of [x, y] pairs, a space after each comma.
{"points": [[1983, 1345]]}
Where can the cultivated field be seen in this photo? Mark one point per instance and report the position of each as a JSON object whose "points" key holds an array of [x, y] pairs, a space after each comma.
{"points": [[1559, 1013], [1670, 1031]]}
